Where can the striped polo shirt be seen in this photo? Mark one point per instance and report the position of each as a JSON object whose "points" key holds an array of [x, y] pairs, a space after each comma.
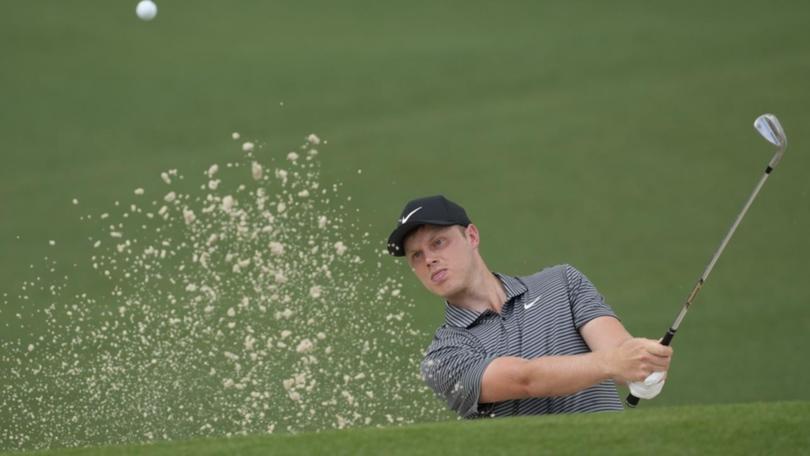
{"points": [[541, 317]]}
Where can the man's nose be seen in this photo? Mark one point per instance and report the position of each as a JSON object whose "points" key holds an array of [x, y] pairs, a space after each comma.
{"points": [[430, 260]]}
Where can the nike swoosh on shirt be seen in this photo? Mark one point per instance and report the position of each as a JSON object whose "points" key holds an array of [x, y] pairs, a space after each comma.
{"points": [[529, 305], [405, 219]]}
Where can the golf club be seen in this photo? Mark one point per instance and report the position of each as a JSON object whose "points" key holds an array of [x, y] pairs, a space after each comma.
{"points": [[768, 126]]}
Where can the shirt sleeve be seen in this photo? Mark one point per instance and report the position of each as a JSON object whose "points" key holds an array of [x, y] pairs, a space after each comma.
{"points": [[453, 367], [586, 302]]}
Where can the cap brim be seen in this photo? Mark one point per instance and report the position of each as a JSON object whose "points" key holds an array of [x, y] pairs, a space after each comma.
{"points": [[399, 234]]}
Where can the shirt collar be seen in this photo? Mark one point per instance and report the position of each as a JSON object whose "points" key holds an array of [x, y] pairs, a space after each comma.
{"points": [[463, 318]]}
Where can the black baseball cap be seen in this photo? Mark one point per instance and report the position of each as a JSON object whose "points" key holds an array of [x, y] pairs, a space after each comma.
{"points": [[430, 210]]}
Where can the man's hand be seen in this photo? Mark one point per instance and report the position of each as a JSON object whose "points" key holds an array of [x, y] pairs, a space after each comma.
{"points": [[634, 359], [650, 387]]}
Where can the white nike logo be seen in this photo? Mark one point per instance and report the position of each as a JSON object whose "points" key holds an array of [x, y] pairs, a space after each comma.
{"points": [[405, 219], [529, 305]]}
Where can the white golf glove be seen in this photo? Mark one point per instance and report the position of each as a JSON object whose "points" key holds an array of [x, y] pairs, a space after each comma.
{"points": [[650, 387]]}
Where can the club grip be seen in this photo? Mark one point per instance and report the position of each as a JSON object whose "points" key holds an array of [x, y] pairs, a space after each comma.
{"points": [[667, 339], [632, 401]]}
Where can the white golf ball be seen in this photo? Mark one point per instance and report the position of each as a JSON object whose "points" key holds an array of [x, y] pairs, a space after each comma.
{"points": [[146, 10]]}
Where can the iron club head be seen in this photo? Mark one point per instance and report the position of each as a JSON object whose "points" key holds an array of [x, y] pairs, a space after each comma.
{"points": [[768, 126]]}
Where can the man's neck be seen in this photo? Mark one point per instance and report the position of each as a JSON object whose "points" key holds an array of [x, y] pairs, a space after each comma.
{"points": [[486, 292]]}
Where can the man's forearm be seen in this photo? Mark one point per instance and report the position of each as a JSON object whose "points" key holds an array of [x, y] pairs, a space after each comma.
{"points": [[604, 333], [509, 378], [550, 376], [633, 360]]}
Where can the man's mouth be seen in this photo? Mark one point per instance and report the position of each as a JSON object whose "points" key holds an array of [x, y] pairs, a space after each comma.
{"points": [[439, 276]]}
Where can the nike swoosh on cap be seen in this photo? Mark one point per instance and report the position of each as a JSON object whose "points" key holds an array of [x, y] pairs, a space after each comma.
{"points": [[405, 219]]}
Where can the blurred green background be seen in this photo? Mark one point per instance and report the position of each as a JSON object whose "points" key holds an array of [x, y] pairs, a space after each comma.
{"points": [[613, 136]]}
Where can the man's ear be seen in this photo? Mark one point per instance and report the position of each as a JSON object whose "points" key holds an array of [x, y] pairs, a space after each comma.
{"points": [[473, 235]]}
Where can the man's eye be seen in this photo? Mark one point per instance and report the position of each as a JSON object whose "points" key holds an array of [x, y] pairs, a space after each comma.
{"points": [[438, 242], [416, 255]]}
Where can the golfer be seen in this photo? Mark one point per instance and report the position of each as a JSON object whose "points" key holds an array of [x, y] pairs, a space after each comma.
{"points": [[544, 343]]}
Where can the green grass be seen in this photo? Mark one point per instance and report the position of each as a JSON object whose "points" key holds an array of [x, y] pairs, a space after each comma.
{"points": [[616, 137], [756, 428]]}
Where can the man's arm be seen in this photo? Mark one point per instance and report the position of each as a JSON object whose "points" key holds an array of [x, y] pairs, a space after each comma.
{"points": [[604, 333], [508, 378]]}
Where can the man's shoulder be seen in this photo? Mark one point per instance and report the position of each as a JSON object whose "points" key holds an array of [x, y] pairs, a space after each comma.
{"points": [[446, 331], [550, 273], [447, 336]]}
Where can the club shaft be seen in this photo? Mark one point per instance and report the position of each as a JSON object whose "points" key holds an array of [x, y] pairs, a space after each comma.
{"points": [[632, 400], [723, 244]]}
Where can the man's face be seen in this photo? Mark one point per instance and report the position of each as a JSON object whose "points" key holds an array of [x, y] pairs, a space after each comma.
{"points": [[442, 257]]}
